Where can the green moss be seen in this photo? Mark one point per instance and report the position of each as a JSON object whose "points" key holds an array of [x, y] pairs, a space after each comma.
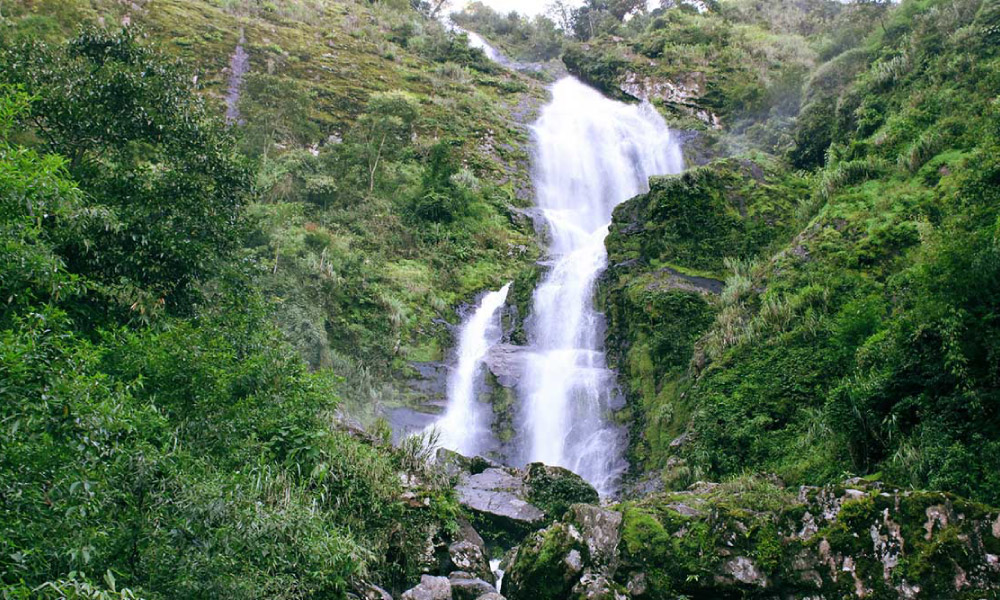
{"points": [[538, 565], [555, 490], [660, 295]]}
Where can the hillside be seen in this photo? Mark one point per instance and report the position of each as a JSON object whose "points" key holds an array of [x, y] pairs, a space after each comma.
{"points": [[244, 242], [852, 332], [367, 253]]}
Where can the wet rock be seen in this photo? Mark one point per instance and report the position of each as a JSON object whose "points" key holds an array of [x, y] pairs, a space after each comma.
{"points": [[467, 556], [506, 363], [370, 591], [430, 588], [465, 586]]}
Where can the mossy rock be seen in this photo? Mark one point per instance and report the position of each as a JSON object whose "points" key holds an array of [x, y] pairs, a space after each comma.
{"points": [[554, 489]]}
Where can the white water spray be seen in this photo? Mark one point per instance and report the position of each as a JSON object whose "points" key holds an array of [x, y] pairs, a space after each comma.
{"points": [[465, 426], [592, 153]]}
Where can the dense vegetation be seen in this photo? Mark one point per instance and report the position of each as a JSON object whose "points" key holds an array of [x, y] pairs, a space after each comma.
{"points": [[389, 167], [188, 307], [858, 335], [155, 430], [164, 276]]}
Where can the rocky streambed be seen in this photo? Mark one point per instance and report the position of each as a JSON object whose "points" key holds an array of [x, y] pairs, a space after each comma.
{"points": [[749, 538]]}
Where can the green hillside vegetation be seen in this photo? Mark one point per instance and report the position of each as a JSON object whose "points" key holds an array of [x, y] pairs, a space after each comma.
{"points": [[390, 167], [173, 444], [164, 276], [859, 336]]}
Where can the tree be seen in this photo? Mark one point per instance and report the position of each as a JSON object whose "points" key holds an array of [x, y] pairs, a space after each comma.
{"points": [[275, 110], [431, 8], [163, 174], [35, 197], [561, 14], [383, 132]]}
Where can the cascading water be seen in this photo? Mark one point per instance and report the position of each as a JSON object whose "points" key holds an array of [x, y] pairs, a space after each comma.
{"points": [[591, 154], [465, 426]]}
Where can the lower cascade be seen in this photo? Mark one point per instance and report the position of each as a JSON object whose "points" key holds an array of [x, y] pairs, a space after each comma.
{"points": [[591, 154], [465, 425]]}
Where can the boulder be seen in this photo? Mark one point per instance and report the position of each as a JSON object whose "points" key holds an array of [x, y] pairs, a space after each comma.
{"points": [[555, 489], [491, 596], [430, 588], [498, 498], [456, 465], [465, 586], [601, 530], [761, 539], [370, 591], [547, 565], [507, 504], [465, 555], [597, 587], [573, 558]]}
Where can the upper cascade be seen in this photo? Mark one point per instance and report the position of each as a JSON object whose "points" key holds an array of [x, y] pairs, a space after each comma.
{"points": [[591, 154]]}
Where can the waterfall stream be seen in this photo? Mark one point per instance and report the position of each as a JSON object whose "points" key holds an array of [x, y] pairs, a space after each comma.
{"points": [[591, 153], [465, 425]]}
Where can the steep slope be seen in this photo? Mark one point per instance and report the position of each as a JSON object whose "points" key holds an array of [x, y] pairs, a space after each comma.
{"points": [[393, 167], [159, 433], [863, 339]]}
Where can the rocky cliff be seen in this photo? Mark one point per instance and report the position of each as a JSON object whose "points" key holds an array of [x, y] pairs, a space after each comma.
{"points": [[753, 538]]}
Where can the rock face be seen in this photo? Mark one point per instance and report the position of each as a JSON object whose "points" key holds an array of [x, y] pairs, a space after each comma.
{"points": [[667, 249], [507, 504], [430, 588], [570, 559], [756, 539], [684, 93]]}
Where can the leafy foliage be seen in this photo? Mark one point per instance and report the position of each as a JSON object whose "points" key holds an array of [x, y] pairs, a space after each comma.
{"points": [[150, 161], [188, 453], [864, 343]]}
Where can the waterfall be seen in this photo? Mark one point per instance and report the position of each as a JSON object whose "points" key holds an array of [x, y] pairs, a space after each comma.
{"points": [[591, 154], [477, 41], [465, 426], [239, 64]]}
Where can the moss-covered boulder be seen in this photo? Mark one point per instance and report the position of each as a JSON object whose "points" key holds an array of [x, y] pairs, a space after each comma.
{"points": [[507, 504], [555, 489], [752, 538], [569, 559]]}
